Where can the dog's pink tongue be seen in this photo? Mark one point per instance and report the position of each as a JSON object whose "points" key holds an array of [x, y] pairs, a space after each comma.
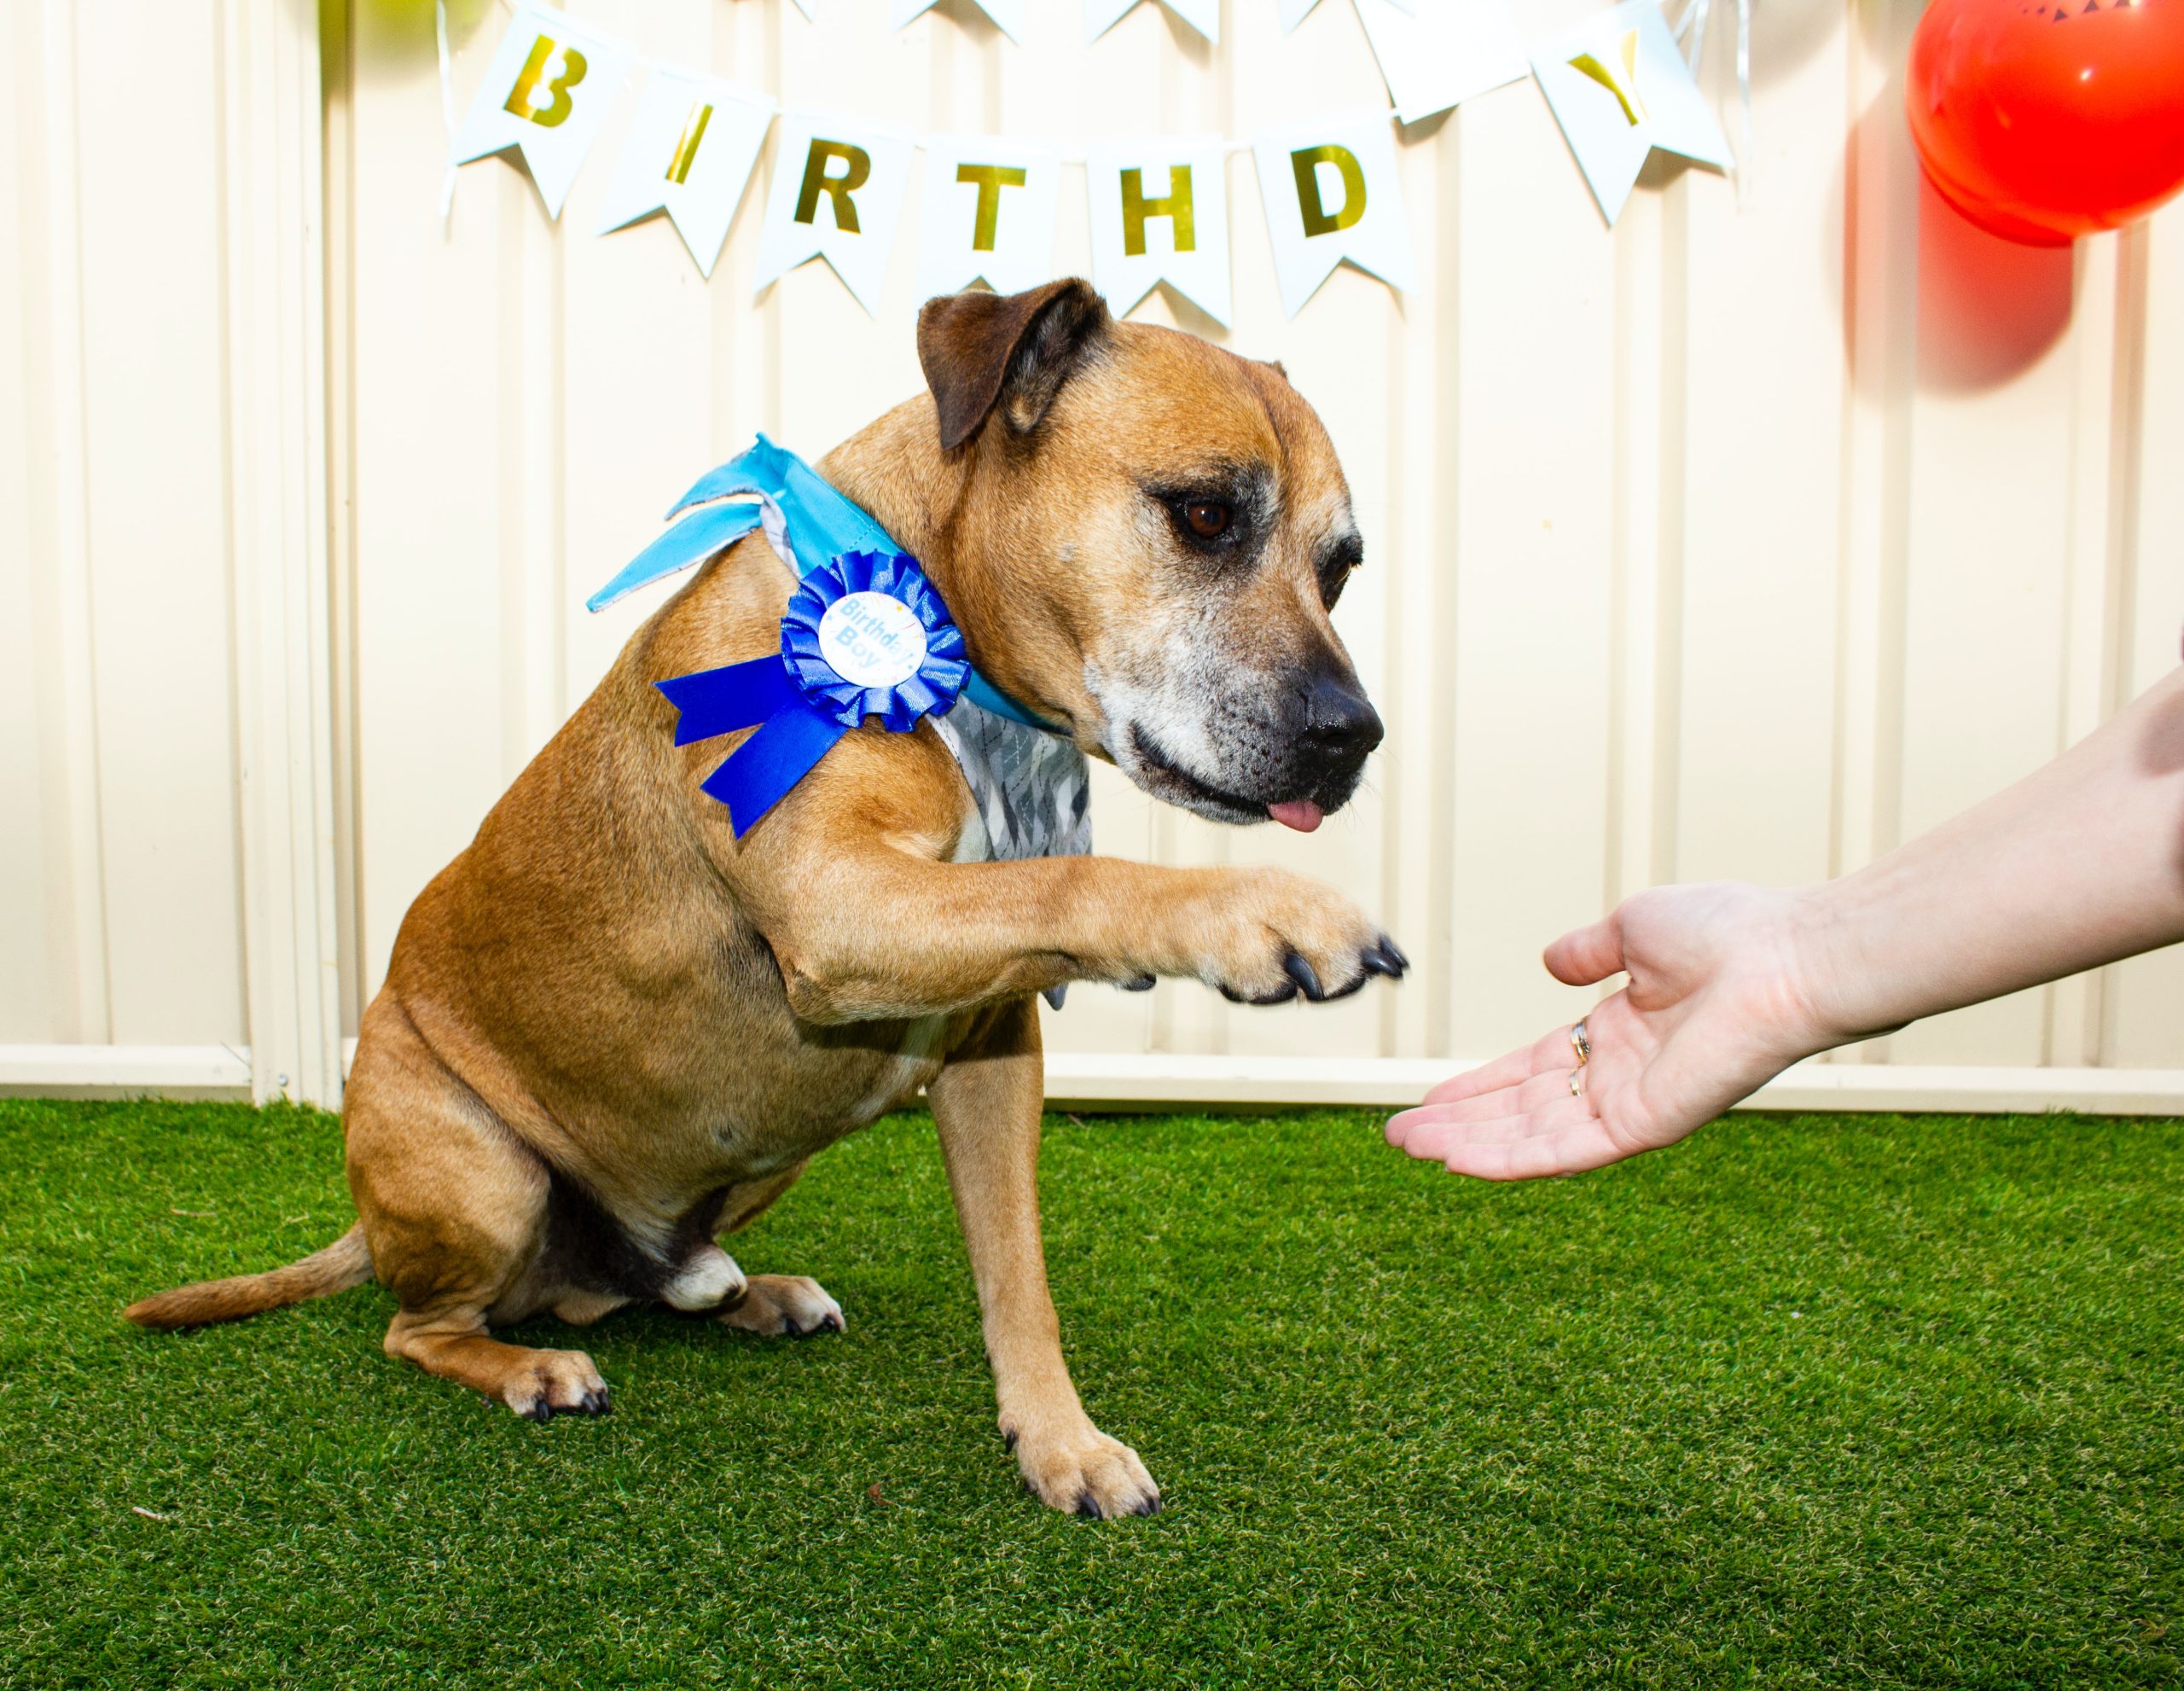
{"points": [[1301, 814]]}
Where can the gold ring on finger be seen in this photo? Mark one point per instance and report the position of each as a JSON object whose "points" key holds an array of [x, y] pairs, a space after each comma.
{"points": [[1581, 1042], [1578, 1081]]}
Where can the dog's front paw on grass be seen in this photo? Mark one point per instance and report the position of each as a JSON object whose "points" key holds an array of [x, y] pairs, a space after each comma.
{"points": [[1283, 935], [785, 1306], [1085, 1472], [549, 1383]]}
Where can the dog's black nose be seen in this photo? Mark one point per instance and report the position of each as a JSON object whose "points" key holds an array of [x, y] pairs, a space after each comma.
{"points": [[1340, 724]]}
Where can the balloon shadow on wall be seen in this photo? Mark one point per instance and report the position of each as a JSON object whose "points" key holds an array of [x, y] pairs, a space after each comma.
{"points": [[1987, 309]]}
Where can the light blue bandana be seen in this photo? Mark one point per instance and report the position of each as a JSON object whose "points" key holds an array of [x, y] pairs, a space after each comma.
{"points": [[865, 636]]}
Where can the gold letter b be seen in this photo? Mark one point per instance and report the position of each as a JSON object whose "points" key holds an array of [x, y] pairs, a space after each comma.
{"points": [[556, 111]]}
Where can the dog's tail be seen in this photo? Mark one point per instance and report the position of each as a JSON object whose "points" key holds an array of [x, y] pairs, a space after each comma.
{"points": [[345, 1263]]}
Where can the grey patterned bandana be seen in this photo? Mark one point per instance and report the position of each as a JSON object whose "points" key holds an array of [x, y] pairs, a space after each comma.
{"points": [[1033, 796], [1031, 790]]}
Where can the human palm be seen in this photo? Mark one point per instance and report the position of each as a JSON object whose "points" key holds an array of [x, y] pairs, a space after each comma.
{"points": [[1717, 1003]]}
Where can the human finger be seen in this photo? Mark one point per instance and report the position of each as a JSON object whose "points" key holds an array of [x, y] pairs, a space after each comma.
{"points": [[1432, 1141], [1571, 1151]]}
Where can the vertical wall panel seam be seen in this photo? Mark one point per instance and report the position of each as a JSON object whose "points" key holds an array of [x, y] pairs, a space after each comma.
{"points": [[2127, 459], [1439, 982], [1674, 426], [1633, 560], [2126, 467], [243, 609], [1395, 820], [82, 851], [337, 163], [313, 823], [1880, 303], [560, 607], [775, 380], [513, 192], [2070, 1009]]}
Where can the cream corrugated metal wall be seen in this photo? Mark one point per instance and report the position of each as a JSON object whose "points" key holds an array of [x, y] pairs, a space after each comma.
{"points": [[1735, 541]]}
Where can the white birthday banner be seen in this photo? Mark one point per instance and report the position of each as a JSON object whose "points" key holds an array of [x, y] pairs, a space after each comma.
{"points": [[1329, 187]]}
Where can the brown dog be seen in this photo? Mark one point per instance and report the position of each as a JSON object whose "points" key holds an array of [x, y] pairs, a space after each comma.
{"points": [[611, 1032]]}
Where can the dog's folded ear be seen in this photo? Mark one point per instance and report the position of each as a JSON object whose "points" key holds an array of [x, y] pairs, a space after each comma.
{"points": [[1005, 352]]}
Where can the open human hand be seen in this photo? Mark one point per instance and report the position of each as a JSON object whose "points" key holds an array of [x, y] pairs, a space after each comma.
{"points": [[1719, 1000]]}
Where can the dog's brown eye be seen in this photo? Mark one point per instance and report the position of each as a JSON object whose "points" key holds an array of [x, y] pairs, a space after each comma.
{"points": [[1208, 519]]}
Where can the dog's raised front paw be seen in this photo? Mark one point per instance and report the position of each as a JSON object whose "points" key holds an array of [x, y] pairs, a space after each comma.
{"points": [[1280, 934], [1083, 1471], [785, 1306], [549, 1383]]}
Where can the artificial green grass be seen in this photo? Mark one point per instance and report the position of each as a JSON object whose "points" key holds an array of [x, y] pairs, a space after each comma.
{"points": [[1804, 1401]]}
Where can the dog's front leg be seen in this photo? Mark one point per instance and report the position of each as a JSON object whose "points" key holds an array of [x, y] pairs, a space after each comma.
{"points": [[986, 1103]]}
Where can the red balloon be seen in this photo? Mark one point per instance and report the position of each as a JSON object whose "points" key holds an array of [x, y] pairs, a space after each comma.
{"points": [[2042, 120]]}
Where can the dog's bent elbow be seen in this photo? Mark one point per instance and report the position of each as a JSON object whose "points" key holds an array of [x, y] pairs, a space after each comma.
{"points": [[831, 990], [827, 990]]}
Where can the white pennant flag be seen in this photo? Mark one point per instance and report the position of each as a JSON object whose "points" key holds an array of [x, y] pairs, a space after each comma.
{"points": [[837, 193], [1161, 213], [1202, 15], [1008, 14], [1443, 54], [1332, 192], [546, 93], [690, 152], [1619, 89], [989, 209]]}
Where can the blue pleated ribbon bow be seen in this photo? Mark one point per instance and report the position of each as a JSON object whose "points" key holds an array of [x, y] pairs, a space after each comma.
{"points": [[865, 634]]}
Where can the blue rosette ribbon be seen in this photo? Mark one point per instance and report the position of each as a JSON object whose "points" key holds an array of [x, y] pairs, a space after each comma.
{"points": [[847, 614]]}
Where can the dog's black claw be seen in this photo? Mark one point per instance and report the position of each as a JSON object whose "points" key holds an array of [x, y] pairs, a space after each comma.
{"points": [[1009, 1439], [542, 1412], [790, 1329], [598, 1403], [1088, 1506], [1385, 959], [830, 1324], [1151, 1506], [1300, 970], [1144, 983]]}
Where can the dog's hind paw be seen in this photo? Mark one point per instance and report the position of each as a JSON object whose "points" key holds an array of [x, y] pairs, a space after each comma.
{"points": [[556, 1383], [785, 1306], [1085, 1474]]}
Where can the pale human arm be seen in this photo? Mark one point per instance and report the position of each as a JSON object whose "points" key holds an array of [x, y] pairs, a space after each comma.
{"points": [[2079, 864]]}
